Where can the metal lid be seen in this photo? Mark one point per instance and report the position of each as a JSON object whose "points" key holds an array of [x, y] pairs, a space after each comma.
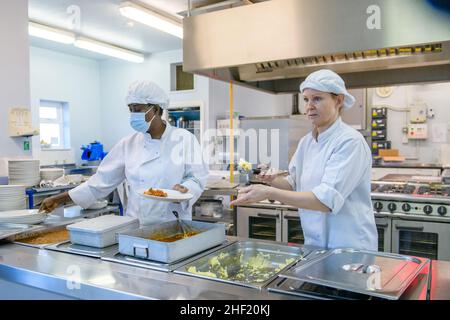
{"points": [[376, 274], [102, 224]]}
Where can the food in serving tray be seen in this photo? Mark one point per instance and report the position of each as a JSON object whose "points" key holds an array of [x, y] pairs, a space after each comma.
{"points": [[47, 238], [240, 267], [155, 192], [173, 238]]}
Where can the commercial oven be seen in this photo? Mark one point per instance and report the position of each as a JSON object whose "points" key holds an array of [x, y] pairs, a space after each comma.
{"points": [[292, 230], [258, 223], [384, 228], [421, 238]]}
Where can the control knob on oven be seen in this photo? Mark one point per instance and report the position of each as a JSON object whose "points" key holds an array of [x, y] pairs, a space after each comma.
{"points": [[428, 209], [442, 210], [406, 207], [378, 206], [392, 207]]}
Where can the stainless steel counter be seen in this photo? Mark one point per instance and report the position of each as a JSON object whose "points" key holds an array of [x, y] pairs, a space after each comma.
{"points": [[440, 280], [33, 272], [78, 277], [412, 165], [68, 276]]}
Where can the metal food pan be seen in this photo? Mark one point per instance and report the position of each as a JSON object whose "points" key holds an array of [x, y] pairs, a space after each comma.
{"points": [[9, 231], [68, 247], [249, 263], [156, 265], [137, 242], [29, 234], [378, 274]]}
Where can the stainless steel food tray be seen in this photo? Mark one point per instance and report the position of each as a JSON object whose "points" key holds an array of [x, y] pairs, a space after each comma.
{"points": [[159, 266], [238, 254], [41, 231], [137, 243], [377, 274], [77, 249], [8, 230]]}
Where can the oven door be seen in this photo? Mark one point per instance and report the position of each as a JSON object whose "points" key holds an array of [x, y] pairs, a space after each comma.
{"points": [[384, 228], [257, 223], [292, 228], [421, 238]]}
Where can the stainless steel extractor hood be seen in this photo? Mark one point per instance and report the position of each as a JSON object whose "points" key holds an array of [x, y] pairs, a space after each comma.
{"points": [[274, 45]]}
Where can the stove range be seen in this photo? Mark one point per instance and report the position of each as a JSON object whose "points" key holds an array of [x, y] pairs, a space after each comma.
{"points": [[419, 199]]}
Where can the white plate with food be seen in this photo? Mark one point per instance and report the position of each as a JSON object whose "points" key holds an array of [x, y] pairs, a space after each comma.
{"points": [[168, 195]]}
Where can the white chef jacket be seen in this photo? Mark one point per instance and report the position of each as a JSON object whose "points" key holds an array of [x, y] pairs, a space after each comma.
{"points": [[146, 163], [337, 169]]}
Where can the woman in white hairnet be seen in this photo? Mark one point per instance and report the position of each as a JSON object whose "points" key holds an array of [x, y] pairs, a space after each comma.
{"points": [[329, 174], [157, 155]]}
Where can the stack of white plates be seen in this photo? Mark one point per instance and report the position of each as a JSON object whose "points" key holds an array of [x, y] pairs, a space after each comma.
{"points": [[22, 216], [51, 174], [12, 197], [24, 172]]}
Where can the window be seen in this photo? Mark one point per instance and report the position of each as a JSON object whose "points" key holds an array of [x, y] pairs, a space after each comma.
{"points": [[54, 125], [180, 80]]}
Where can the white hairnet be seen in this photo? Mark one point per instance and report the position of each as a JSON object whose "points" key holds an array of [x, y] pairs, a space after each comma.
{"points": [[145, 92], [328, 81]]}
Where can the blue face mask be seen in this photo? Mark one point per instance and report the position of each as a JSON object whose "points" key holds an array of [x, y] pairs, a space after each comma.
{"points": [[138, 123]]}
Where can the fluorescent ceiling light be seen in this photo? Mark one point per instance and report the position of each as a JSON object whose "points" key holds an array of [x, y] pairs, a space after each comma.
{"points": [[109, 50], [49, 33], [151, 18]]}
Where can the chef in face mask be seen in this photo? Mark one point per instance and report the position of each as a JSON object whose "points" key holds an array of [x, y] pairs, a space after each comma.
{"points": [[156, 155]]}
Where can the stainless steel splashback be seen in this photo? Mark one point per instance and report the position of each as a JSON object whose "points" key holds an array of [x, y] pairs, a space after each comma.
{"points": [[274, 45]]}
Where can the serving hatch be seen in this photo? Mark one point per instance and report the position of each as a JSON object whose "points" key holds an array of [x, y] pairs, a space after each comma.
{"points": [[165, 243]]}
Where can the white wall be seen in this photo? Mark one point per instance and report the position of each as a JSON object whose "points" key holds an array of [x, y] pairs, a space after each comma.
{"points": [[248, 102], [75, 80], [116, 76], [14, 74], [436, 96]]}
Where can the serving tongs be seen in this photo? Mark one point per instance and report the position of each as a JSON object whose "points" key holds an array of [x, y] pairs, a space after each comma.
{"points": [[182, 225]]}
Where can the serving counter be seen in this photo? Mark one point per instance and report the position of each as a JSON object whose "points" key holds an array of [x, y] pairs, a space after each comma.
{"points": [[32, 273]]}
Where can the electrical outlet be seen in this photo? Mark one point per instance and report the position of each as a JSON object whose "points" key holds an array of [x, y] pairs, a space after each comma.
{"points": [[430, 112]]}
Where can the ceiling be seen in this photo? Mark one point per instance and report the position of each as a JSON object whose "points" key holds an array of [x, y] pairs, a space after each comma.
{"points": [[101, 20]]}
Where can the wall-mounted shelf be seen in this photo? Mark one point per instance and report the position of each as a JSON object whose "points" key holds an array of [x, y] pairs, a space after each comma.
{"points": [[25, 134]]}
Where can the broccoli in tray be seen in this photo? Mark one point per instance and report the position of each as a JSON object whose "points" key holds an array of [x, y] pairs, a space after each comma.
{"points": [[237, 266]]}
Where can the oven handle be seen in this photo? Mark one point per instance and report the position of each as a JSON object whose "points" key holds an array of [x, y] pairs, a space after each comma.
{"points": [[398, 227], [291, 218], [268, 215], [383, 225]]}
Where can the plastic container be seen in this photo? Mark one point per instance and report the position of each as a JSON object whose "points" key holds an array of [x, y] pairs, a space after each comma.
{"points": [[101, 232]]}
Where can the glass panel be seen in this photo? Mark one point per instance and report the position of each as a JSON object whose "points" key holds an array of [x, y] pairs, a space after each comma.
{"points": [[262, 228], [50, 135], [185, 81], [48, 113], [421, 244], [295, 232], [380, 239]]}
